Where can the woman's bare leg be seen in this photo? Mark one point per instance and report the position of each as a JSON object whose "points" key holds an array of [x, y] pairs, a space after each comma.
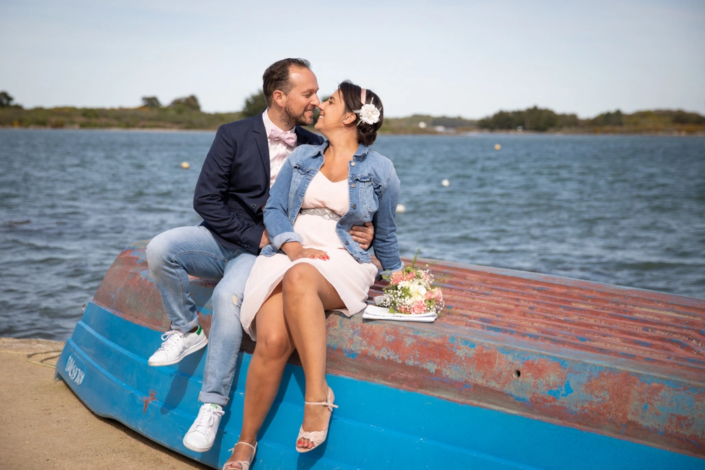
{"points": [[307, 294], [273, 348]]}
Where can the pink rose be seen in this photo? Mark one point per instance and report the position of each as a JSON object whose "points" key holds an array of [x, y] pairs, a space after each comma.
{"points": [[402, 308], [418, 307], [434, 294], [397, 277], [410, 276]]}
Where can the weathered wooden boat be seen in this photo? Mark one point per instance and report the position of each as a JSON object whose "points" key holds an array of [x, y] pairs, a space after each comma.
{"points": [[523, 371]]}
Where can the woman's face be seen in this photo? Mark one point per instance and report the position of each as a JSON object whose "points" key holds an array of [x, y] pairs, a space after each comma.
{"points": [[333, 114]]}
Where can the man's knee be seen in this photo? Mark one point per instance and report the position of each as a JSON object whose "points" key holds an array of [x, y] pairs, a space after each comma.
{"points": [[226, 299], [158, 251], [164, 249], [273, 345]]}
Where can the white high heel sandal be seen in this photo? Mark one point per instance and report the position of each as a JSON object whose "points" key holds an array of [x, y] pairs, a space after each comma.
{"points": [[244, 464], [317, 437]]}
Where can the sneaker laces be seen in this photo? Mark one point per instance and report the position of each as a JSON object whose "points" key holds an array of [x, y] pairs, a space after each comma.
{"points": [[206, 418], [171, 340]]}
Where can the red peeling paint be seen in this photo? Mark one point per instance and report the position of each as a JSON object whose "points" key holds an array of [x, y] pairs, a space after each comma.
{"points": [[623, 362], [147, 400]]}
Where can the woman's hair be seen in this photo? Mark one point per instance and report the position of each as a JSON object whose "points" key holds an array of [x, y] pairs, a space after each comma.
{"points": [[352, 97]]}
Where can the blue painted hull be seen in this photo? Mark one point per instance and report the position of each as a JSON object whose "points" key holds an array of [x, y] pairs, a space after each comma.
{"points": [[376, 426]]}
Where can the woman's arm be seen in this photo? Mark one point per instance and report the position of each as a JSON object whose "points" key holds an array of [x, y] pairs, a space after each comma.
{"points": [[276, 218], [385, 241], [276, 211]]}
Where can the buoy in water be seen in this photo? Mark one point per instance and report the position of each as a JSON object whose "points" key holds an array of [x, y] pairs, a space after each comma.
{"points": [[185, 165], [445, 183], [497, 147], [401, 208]]}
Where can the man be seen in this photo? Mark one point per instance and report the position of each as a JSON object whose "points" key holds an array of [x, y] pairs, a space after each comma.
{"points": [[231, 192]]}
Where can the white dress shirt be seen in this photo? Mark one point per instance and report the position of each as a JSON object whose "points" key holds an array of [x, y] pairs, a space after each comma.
{"points": [[278, 150]]}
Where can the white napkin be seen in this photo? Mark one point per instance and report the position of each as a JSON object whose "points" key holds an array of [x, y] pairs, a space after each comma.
{"points": [[373, 312]]}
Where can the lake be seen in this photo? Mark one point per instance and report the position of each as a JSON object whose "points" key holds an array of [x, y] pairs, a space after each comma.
{"points": [[625, 210]]}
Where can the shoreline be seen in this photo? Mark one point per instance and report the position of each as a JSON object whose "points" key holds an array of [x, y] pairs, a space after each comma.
{"points": [[48, 426], [431, 134], [110, 129]]}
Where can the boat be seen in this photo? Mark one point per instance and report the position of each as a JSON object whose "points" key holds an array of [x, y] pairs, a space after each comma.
{"points": [[521, 371]]}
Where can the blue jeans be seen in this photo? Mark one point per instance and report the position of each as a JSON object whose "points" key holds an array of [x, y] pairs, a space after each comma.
{"points": [[171, 257]]}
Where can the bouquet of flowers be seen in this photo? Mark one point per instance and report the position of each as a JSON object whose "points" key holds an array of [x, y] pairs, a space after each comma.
{"points": [[411, 291]]}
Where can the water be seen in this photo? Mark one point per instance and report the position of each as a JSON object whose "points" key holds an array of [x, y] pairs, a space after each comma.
{"points": [[624, 210]]}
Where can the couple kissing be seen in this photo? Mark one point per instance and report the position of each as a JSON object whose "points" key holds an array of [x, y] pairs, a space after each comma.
{"points": [[288, 217]]}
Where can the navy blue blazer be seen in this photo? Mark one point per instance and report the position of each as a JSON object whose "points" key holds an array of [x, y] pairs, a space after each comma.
{"points": [[233, 186]]}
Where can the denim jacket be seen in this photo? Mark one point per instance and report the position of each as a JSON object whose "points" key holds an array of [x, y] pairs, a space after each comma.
{"points": [[374, 191]]}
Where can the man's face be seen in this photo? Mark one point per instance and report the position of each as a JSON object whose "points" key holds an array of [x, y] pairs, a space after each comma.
{"points": [[303, 98]]}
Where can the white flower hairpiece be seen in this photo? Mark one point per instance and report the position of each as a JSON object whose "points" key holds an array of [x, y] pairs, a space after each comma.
{"points": [[369, 114]]}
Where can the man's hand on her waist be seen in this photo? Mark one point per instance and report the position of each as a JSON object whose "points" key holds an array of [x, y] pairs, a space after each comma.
{"points": [[363, 234], [265, 239]]}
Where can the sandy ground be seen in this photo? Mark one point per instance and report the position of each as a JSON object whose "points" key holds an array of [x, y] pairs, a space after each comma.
{"points": [[44, 425]]}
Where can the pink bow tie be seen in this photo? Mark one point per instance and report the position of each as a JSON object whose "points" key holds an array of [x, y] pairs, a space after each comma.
{"points": [[289, 138]]}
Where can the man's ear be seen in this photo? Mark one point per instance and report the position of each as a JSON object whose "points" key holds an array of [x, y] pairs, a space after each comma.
{"points": [[279, 98]]}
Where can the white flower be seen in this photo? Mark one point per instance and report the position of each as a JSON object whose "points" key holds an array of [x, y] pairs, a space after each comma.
{"points": [[417, 291], [369, 114]]}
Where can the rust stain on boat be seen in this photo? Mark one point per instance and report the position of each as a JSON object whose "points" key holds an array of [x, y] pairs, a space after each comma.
{"points": [[623, 362], [147, 400]]}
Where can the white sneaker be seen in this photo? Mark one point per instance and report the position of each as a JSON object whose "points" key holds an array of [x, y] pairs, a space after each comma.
{"points": [[178, 345], [201, 434]]}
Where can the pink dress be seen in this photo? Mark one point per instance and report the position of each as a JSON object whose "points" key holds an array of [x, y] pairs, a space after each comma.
{"points": [[323, 204]]}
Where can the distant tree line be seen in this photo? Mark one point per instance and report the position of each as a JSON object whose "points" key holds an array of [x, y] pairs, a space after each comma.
{"points": [[182, 113], [6, 101], [543, 119], [186, 113], [254, 104], [617, 118], [187, 103], [682, 117], [608, 119], [531, 119], [451, 122]]}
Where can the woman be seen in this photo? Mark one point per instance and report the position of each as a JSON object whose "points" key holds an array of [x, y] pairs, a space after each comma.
{"points": [[313, 264]]}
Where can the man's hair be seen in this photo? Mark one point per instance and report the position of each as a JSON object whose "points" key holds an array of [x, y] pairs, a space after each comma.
{"points": [[276, 77]]}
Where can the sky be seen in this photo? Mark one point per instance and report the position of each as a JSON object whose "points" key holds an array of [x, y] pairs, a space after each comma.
{"points": [[440, 57]]}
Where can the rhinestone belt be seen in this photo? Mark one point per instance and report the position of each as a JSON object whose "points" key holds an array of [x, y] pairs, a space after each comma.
{"points": [[322, 212]]}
